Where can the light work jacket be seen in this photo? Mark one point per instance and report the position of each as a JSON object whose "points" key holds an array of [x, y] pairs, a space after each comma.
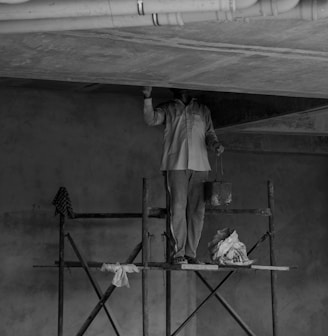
{"points": [[188, 131]]}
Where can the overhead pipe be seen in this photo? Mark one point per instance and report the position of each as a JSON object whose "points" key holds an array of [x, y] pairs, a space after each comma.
{"points": [[308, 10], [262, 8], [268, 8], [12, 2], [87, 23], [43, 9]]}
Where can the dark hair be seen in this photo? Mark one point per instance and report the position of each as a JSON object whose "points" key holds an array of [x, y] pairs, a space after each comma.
{"points": [[177, 91]]}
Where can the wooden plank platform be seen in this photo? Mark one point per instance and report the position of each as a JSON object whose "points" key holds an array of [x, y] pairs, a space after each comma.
{"points": [[233, 267]]}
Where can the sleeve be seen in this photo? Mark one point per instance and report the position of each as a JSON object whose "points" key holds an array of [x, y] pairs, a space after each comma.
{"points": [[153, 116], [210, 136]]}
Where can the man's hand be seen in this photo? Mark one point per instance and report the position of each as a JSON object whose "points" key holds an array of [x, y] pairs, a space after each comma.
{"points": [[147, 91], [219, 150]]}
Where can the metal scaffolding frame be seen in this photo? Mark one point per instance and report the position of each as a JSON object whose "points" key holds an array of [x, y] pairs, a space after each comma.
{"points": [[146, 265]]}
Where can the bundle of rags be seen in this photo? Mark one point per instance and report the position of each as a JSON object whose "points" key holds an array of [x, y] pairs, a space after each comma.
{"points": [[226, 249]]}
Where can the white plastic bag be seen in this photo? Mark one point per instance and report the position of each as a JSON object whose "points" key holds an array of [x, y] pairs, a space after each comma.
{"points": [[226, 249]]}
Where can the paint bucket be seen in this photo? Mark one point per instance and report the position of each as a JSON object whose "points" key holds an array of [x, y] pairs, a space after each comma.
{"points": [[218, 193]]}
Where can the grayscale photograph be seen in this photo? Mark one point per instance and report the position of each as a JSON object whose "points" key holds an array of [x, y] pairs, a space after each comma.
{"points": [[164, 167]]}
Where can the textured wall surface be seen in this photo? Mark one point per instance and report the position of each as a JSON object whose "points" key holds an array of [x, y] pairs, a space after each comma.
{"points": [[301, 196], [98, 147]]}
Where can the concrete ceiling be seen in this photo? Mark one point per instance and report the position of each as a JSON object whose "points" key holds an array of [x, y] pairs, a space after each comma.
{"points": [[267, 56]]}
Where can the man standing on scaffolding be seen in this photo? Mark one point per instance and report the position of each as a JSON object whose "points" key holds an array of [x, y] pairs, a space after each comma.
{"points": [[188, 131]]}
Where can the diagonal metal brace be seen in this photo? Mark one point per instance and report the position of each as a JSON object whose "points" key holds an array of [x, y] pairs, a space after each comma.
{"points": [[92, 280], [261, 240], [107, 294], [226, 305]]}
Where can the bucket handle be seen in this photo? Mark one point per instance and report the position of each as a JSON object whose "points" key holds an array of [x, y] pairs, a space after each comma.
{"points": [[221, 166]]}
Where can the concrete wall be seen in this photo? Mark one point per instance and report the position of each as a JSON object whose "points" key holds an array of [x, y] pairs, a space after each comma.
{"points": [[301, 196], [98, 147]]}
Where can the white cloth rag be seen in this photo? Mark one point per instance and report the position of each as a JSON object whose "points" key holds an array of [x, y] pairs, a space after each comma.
{"points": [[120, 278]]}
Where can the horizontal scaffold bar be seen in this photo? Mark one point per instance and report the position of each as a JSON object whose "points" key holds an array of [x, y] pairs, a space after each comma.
{"points": [[153, 213], [105, 215], [184, 267], [161, 213], [260, 212]]}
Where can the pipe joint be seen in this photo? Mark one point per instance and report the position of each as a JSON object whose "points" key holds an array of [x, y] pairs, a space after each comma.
{"points": [[314, 10], [232, 5], [274, 7], [227, 5], [154, 17], [140, 7]]}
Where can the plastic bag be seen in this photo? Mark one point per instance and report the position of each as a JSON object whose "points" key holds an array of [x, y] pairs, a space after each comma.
{"points": [[226, 249]]}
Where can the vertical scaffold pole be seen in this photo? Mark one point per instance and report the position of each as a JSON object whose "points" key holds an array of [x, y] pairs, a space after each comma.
{"points": [[273, 274], [61, 274], [145, 255], [168, 260]]}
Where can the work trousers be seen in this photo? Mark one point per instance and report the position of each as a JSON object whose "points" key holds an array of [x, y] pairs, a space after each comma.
{"points": [[187, 209]]}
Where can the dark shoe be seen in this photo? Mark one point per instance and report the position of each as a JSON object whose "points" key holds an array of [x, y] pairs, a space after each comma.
{"points": [[179, 261], [192, 260]]}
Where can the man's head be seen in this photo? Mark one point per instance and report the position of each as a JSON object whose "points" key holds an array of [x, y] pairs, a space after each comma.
{"points": [[182, 94]]}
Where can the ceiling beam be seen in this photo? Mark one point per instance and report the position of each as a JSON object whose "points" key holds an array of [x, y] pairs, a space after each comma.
{"points": [[314, 122], [275, 143]]}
